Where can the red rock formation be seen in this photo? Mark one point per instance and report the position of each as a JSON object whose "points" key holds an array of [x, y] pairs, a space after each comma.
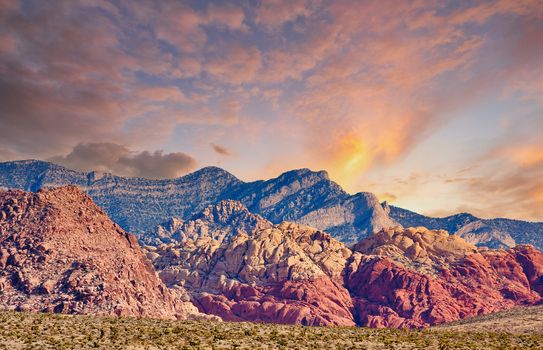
{"points": [[387, 294], [318, 302], [288, 273], [405, 278], [60, 252]]}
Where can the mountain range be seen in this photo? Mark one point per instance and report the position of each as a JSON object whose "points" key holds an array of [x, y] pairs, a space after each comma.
{"points": [[303, 196]]}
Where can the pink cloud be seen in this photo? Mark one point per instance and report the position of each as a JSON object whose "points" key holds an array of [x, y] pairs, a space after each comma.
{"points": [[234, 64], [274, 13]]}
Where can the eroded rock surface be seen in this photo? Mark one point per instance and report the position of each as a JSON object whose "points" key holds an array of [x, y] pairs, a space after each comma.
{"points": [[218, 222], [59, 252], [405, 278], [417, 248], [287, 273]]}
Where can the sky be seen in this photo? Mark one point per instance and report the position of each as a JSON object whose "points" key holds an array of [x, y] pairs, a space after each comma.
{"points": [[434, 106]]}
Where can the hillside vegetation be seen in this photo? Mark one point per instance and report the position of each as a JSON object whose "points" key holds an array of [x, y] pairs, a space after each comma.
{"points": [[53, 331], [522, 320]]}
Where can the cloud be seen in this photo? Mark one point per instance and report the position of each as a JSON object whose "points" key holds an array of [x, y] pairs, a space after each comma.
{"points": [[274, 13], [158, 165], [514, 178], [371, 104], [56, 92], [223, 151], [234, 64], [161, 94], [354, 87], [8, 155], [178, 24], [505, 181], [118, 159], [228, 16]]}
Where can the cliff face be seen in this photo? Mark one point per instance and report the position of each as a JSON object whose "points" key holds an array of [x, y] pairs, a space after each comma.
{"points": [[139, 205], [291, 273], [422, 278], [59, 252]]}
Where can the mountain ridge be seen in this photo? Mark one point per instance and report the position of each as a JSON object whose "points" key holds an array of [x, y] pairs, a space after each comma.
{"points": [[139, 205], [301, 195], [493, 233]]}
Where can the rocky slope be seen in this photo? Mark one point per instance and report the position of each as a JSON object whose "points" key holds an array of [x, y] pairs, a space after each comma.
{"points": [[417, 248], [492, 233], [59, 252], [139, 205], [219, 222], [283, 274], [418, 289], [291, 273]]}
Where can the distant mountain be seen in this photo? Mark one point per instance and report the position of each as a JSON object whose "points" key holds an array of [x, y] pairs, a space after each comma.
{"points": [[139, 205], [492, 233], [219, 222], [302, 196]]}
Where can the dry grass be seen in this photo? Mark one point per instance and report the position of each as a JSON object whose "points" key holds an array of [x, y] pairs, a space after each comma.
{"points": [[47, 331], [522, 320]]}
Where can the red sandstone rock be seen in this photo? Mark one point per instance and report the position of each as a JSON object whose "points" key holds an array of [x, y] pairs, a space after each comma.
{"points": [[410, 278], [60, 252], [387, 294], [319, 302]]}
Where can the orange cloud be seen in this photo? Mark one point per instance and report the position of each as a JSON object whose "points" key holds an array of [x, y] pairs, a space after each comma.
{"points": [[374, 92], [525, 155], [349, 157]]}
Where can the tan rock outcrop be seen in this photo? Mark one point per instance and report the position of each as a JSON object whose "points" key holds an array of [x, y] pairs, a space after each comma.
{"points": [[417, 247], [286, 273]]}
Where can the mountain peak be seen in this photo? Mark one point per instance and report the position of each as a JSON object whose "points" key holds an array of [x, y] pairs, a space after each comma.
{"points": [[303, 173], [211, 172], [61, 253]]}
